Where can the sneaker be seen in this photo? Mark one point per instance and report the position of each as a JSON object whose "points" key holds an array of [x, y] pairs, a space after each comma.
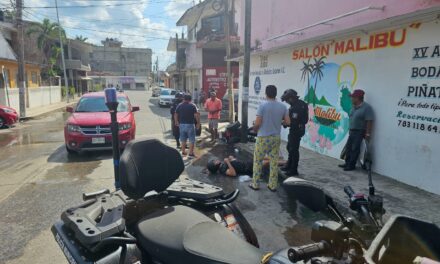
{"points": [[192, 156], [342, 165]]}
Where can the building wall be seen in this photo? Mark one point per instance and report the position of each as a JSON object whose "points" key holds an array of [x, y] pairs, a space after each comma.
{"points": [[32, 73], [398, 67], [125, 82], [275, 17], [121, 61], [38, 97]]}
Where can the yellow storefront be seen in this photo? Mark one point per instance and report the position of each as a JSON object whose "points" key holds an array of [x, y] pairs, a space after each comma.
{"points": [[32, 74]]}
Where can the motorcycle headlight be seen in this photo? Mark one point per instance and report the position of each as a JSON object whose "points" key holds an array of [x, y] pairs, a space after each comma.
{"points": [[124, 126], [7, 110], [73, 128]]}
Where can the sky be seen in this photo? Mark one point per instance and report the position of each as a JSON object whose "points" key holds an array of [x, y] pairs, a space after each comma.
{"points": [[137, 23]]}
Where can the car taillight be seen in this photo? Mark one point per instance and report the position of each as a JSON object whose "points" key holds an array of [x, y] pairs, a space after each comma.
{"points": [[73, 128]]}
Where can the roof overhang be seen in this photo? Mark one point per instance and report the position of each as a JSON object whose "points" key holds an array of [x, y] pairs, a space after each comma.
{"points": [[195, 13]]}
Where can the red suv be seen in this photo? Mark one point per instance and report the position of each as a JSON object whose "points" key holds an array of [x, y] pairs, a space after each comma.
{"points": [[88, 128]]}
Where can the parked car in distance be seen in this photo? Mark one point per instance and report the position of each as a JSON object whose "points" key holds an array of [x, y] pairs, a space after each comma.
{"points": [[166, 97], [156, 91], [88, 128], [8, 116], [225, 104]]}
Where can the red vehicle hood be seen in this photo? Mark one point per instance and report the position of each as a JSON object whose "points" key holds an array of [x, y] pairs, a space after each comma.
{"points": [[6, 107], [97, 118]]}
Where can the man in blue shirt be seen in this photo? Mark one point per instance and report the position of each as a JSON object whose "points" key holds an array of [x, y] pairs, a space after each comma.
{"points": [[271, 115], [186, 117]]}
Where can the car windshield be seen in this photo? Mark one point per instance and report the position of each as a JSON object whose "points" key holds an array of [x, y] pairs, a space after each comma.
{"points": [[167, 92], [97, 104]]}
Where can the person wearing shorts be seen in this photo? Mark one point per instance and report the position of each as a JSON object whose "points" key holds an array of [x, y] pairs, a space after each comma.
{"points": [[186, 117], [214, 107]]}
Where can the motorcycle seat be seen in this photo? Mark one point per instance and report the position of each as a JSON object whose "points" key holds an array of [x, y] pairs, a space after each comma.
{"points": [[181, 234]]}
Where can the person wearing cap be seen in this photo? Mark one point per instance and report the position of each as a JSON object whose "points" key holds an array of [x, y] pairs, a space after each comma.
{"points": [[214, 107], [186, 117], [361, 123], [178, 99], [299, 116]]}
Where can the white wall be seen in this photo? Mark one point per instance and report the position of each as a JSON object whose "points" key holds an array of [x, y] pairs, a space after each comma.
{"points": [[408, 154], [37, 97]]}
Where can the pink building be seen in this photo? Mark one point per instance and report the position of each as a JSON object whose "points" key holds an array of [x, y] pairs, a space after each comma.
{"points": [[325, 49]]}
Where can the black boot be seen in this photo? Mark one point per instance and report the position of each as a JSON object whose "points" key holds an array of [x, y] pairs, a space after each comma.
{"points": [[286, 168]]}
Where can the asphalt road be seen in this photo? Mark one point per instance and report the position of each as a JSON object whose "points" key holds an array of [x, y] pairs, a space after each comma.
{"points": [[39, 181]]}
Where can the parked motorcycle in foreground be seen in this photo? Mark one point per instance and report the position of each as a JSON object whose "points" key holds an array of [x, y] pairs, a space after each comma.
{"points": [[154, 218]]}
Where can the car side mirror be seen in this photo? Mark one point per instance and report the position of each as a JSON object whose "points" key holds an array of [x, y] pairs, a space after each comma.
{"points": [[69, 109], [307, 193], [135, 108]]}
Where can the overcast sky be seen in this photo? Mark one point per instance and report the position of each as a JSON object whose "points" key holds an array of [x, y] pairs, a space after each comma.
{"points": [[138, 23]]}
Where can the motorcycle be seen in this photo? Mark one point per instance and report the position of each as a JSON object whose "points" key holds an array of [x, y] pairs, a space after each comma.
{"points": [[369, 209], [147, 222], [157, 217], [402, 239]]}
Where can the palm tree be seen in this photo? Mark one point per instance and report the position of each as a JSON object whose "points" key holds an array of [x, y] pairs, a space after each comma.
{"points": [[317, 73], [81, 38], [307, 70], [47, 33]]}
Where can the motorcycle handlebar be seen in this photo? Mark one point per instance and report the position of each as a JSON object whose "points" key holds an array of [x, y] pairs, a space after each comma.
{"points": [[307, 251], [349, 191]]}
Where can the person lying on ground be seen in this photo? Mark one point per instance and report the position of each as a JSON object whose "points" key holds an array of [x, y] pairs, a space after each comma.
{"points": [[233, 167]]}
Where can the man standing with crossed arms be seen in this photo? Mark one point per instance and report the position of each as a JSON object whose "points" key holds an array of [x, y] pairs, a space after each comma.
{"points": [[214, 107]]}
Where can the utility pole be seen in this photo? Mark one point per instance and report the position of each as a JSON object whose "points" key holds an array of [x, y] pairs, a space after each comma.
{"points": [[246, 67], [21, 81], [228, 62], [66, 81], [177, 62], [157, 71]]}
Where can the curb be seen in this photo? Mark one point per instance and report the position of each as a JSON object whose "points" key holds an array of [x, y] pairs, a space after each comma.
{"points": [[27, 118]]}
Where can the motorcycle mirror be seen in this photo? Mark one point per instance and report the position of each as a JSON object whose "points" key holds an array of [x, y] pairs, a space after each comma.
{"points": [[307, 193]]}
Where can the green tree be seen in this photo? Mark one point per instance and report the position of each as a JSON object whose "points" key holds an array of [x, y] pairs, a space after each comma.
{"points": [[81, 38], [306, 72], [47, 32], [317, 73], [345, 100]]}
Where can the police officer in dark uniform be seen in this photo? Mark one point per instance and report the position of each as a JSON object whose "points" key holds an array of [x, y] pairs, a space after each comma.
{"points": [[178, 98], [299, 116]]}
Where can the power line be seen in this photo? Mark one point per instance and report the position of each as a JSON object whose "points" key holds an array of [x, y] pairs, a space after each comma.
{"points": [[115, 24], [108, 32]]}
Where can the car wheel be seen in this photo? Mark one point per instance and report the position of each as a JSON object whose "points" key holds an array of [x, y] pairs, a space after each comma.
{"points": [[2, 122], [71, 152]]}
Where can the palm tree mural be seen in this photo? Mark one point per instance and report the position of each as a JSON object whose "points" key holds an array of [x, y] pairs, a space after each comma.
{"points": [[317, 73], [47, 33], [307, 70], [81, 38]]}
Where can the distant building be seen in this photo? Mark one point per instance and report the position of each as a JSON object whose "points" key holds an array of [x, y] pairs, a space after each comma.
{"points": [[201, 56], [112, 59]]}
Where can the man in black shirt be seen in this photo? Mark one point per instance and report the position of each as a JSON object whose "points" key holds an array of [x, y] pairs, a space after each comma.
{"points": [[175, 129], [299, 116], [230, 166], [186, 117]]}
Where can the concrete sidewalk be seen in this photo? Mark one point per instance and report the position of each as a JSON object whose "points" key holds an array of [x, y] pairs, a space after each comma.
{"points": [[399, 198], [35, 112]]}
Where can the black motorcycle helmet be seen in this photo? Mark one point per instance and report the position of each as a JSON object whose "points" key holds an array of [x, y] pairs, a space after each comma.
{"points": [[178, 95], [289, 93], [213, 165]]}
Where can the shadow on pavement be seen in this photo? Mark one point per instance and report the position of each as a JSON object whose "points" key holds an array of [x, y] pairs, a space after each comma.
{"points": [[278, 220], [60, 155], [159, 111]]}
